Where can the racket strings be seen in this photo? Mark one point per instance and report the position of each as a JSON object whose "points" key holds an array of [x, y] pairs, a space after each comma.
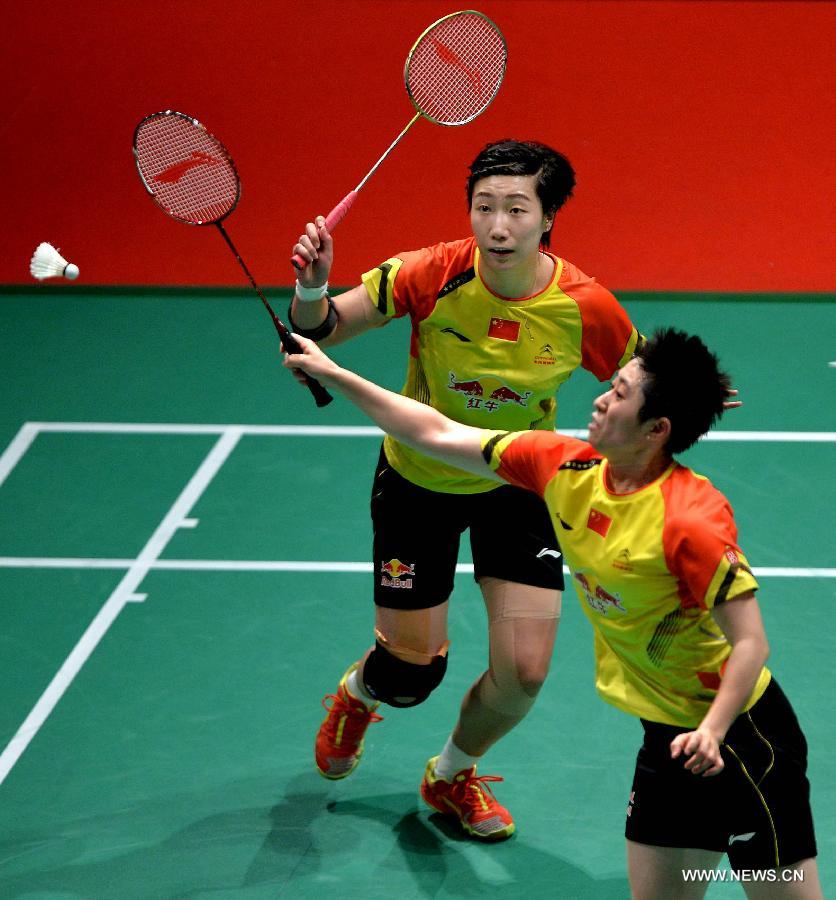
{"points": [[186, 169], [456, 69]]}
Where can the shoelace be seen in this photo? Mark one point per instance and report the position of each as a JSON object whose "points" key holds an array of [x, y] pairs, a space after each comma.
{"points": [[357, 715], [476, 784]]}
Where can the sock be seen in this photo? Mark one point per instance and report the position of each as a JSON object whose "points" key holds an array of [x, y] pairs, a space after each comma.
{"points": [[452, 761], [357, 689]]}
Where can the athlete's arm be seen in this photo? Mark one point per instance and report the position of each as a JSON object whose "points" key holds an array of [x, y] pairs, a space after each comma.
{"points": [[741, 622], [416, 424], [355, 312]]}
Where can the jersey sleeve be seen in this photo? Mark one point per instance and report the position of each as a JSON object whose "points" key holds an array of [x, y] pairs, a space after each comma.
{"points": [[409, 282], [609, 338], [530, 459], [700, 541]]}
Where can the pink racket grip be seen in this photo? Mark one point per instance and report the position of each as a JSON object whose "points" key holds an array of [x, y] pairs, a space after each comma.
{"points": [[337, 214]]}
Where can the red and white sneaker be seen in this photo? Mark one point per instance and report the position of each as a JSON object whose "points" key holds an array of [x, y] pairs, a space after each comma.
{"points": [[470, 801], [339, 741]]}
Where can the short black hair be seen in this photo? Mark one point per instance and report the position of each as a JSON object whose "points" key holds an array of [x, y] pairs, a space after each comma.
{"points": [[555, 175], [682, 382]]}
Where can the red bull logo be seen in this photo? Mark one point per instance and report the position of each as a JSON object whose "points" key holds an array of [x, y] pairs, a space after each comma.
{"points": [[487, 393], [395, 574], [508, 395], [598, 598], [468, 388]]}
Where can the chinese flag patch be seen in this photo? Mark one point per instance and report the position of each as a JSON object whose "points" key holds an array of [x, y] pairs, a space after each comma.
{"points": [[504, 329], [598, 522]]}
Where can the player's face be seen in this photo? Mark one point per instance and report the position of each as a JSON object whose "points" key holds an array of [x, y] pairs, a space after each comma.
{"points": [[615, 424], [507, 220]]}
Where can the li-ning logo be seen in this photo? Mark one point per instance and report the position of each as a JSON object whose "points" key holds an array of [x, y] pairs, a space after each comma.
{"points": [[458, 334], [174, 173], [452, 59], [548, 552], [742, 837]]}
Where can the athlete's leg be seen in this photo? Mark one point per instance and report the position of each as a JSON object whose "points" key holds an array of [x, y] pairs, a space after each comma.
{"points": [[414, 551], [408, 658], [657, 872], [799, 881], [522, 622]]}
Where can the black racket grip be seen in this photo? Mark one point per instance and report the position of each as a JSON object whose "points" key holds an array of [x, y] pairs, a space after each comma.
{"points": [[320, 395]]}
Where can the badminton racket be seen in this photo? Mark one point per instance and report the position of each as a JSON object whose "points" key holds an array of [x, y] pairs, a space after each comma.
{"points": [[191, 177], [452, 73]]}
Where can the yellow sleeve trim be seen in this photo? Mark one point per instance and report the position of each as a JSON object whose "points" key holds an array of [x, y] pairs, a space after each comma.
{"points": [[630, 349], [494, 444], [730, 580], [380, 286]]}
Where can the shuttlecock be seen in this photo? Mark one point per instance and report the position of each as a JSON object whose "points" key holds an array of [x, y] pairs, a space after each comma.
{"points": [[47, 262]]}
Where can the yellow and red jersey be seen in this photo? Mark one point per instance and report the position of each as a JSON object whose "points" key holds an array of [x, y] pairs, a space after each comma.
{"points": [[488, 361], [648, 568]]}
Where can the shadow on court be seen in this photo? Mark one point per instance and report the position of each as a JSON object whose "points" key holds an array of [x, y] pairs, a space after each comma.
{"points": [[305, 845]]}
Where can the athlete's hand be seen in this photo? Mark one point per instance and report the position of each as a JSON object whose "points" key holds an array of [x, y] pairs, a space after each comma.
{"points": [[701, 749], [316, 247], [732, 404], [311, 360]]}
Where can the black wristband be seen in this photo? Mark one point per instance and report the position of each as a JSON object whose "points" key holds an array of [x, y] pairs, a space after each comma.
{"points": [[321, 331]]}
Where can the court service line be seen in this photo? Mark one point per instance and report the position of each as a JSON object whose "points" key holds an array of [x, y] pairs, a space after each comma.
{"points": [[371, 431], [124, 593], [308, 566]]}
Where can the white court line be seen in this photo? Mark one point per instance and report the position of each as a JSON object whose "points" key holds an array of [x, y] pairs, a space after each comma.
{"points": [[125, 592], [312, 566], [19, 445], [370, 431]]}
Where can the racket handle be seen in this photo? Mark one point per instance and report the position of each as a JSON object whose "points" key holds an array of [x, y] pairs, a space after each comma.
{"points": [[337, 214], [320, 395]]}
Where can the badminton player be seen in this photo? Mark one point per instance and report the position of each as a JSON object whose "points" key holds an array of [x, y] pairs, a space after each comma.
{"points": [[679, 640], [499, 323]]}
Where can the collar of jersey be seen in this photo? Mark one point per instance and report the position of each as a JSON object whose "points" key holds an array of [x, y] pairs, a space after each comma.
{"points": [[602, 474], [558, 270]]}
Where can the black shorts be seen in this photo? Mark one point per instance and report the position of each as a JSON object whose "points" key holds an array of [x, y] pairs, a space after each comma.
{"points": [[417, 532], [757, 809]]}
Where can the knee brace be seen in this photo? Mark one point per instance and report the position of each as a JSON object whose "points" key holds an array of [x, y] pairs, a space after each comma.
{"points": [[395, 682]]}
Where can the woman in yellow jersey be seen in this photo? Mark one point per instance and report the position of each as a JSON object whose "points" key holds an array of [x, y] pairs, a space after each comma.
{"points": [[498, 324], [679, 639]]}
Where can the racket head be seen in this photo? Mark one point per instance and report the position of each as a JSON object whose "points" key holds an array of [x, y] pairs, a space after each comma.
{"points": [[456, 67], [186, 169]]}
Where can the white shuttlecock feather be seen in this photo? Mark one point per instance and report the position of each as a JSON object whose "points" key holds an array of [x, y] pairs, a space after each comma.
{"points": [[47, 262]]}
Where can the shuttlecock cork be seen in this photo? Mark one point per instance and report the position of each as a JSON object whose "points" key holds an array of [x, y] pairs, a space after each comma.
{"points": [[47, 262]]}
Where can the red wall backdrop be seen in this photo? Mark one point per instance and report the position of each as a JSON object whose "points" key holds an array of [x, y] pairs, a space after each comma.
{"points": [[702, 134]]}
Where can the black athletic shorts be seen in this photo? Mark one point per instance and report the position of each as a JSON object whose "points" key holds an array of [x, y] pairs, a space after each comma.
{"points": [[417, 532], [757, 809]]}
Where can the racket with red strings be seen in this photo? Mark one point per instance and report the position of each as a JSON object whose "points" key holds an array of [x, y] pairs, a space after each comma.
{"points": [[452, 73], [191, 177]]}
